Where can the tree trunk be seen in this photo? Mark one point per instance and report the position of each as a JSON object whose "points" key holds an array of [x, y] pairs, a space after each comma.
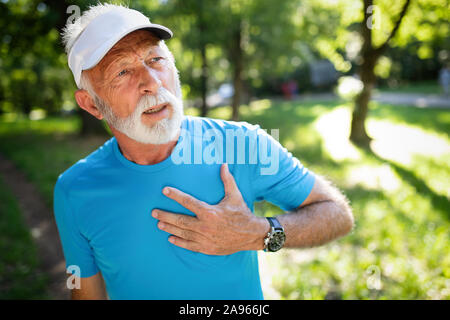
{"points": [[237, 56], [204, 81], [358, 133], [89, 124], [370, 56], [202, 27]]}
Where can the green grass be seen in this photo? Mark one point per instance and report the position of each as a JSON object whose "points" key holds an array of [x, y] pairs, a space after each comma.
{"points": [[399, 194], [44, 149], [18, 264]]}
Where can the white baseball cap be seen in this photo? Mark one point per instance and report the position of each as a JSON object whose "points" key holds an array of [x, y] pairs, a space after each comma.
{"points": [[103, 32]]}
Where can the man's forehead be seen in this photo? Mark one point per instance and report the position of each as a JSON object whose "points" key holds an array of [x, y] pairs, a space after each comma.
{"points": [[136, 38], [138, 43], [130, 53]]}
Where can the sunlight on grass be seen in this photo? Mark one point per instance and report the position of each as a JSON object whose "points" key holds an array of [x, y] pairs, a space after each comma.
{"points": [[380, 177], [13, 123], [259, 106], [397, 196], [405, 144], [436, 172], [220, 113], [334, 128], [268, 266], [401, 142], [37, 114], [192, 112]]}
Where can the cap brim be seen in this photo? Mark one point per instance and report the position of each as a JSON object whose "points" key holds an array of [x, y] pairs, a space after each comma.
{"points": [[160, 31]]}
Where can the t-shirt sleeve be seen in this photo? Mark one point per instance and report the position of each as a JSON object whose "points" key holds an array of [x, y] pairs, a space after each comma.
{"points": [[76, 248], [278, 176]]}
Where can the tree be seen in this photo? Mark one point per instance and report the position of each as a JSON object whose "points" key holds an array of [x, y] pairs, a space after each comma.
{"points": [[33, 58], [358, 34], [258, 36], [370, 55]]}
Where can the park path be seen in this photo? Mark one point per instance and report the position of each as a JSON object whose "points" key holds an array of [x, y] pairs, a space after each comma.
{"points": [[40, 221], [419, 100]]}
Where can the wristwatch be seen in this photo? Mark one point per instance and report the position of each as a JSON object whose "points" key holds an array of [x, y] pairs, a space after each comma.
{"points": [[274, 240]]}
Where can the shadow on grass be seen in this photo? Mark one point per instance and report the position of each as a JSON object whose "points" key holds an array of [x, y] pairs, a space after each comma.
{"points": [[439, 202], [359, 196], [364, 196]]}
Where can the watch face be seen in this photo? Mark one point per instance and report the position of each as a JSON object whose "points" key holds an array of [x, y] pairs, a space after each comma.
{"points": [[277, 241]]}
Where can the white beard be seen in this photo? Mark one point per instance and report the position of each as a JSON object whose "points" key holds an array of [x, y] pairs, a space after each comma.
{"points": [[162, 132]]}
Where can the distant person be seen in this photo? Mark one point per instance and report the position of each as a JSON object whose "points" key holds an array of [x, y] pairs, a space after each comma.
{"points": [[289, 89], [293, 88], [148, 215], [444, 80], [286, 90]]}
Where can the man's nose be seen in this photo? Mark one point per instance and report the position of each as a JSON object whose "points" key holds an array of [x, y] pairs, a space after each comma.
{"points": [[149, 81]]}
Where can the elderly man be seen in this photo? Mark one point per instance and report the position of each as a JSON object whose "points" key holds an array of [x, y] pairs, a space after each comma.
{"points": [[156, 212]]}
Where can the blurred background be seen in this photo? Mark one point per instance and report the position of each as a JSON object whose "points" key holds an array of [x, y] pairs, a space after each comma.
{"points": [[359, 91]]}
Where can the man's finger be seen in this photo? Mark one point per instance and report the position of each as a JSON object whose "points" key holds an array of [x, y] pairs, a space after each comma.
{"points": [[186, 200], [186, 244], [228, 181], [179, 232], [181, 220]]}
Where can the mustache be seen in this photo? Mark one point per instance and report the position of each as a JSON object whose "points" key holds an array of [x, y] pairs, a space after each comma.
{"points": [[162, 96], [147, 101]]}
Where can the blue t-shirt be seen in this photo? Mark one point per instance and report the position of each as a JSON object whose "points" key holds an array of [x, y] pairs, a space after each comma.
{"points": [[103, 206]]}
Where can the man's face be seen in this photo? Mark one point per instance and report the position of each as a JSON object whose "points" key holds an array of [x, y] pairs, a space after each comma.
{"points": [[137, 89]]}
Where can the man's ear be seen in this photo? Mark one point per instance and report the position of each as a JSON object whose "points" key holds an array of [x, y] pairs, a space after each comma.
{"points": [[86, 102]]}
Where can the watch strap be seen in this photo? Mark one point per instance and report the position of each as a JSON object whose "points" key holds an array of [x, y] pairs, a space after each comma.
{"points": [[274, 223]]}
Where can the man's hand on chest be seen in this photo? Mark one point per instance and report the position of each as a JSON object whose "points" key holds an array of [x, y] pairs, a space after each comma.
{"points": [[221, 229]]}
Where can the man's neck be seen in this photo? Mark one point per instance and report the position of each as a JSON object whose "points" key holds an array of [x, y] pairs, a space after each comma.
{"points": [[141, 153]]}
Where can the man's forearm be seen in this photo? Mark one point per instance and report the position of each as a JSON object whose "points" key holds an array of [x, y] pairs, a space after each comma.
{"points": [[323, 216], [316, 224], [313, 225]]}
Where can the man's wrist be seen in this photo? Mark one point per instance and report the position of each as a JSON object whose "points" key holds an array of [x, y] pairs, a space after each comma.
{"points": [[261, 227]]}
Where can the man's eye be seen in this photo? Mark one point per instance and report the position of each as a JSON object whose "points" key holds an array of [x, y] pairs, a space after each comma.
{"points": [[156, 59], [122, 73]]}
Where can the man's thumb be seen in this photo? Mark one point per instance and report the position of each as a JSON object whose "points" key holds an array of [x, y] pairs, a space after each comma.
{"points": [[228, 180]]}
